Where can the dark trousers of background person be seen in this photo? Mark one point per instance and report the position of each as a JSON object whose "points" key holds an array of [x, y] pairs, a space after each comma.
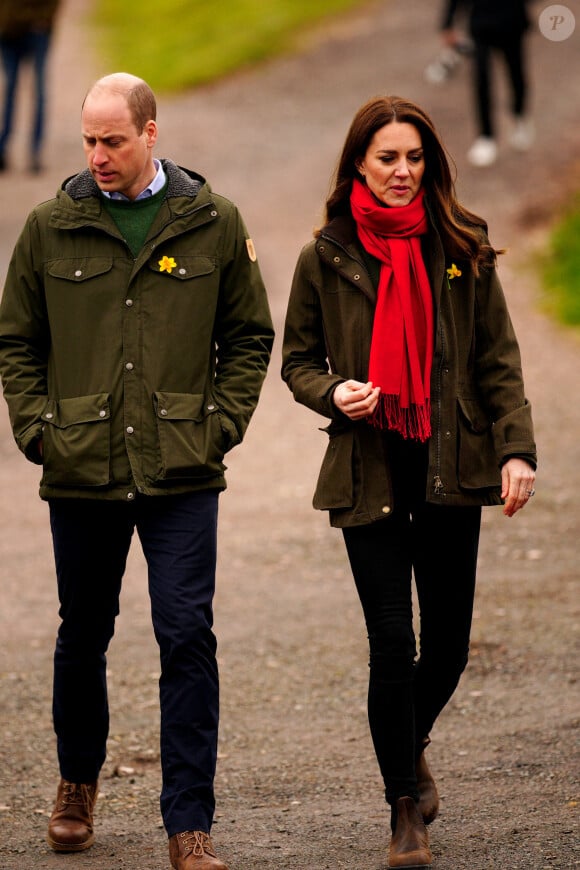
{"points": [[439, 544], [511, 49], [91, 543], [15, 51]]}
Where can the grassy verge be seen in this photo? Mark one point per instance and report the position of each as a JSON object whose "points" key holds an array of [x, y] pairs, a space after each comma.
{"points": [[176, 44], [560, 266]]}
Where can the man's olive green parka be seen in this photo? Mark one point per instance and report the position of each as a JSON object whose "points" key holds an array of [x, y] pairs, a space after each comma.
{"points": [[138, 374], [480, 416]]}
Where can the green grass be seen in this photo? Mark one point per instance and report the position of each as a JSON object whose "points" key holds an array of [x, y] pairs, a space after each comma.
{"points": [[560, 266], [177, 44]]}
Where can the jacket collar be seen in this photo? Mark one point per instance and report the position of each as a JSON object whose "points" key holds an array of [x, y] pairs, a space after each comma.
{"points": [[341, 231], [180, 182]]}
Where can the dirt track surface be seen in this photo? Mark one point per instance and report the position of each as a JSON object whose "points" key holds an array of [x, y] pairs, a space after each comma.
{"points": [[297, 783]]}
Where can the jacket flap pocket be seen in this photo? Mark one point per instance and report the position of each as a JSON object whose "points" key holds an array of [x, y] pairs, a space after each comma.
{"points": [[474, 414], [80, 268], [80, 409], [334, 488], [183, 268], [180, 406]]}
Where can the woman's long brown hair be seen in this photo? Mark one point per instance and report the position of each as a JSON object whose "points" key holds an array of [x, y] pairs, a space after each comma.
{"points": [[460, 229]]}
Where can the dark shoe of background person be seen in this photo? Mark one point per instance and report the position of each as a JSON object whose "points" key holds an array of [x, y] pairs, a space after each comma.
{"points": [[410, 842], [193, 850], [71, 824], [428, 795], [2, 162]]}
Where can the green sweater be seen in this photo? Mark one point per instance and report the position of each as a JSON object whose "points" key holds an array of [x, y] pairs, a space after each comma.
{"points": [[135, 218]]}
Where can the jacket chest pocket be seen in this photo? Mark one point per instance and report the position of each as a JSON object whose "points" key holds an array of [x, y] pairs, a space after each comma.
{"points": [[191, 441], [77, 270], [78, 290], [77, 441], [182, 268]]}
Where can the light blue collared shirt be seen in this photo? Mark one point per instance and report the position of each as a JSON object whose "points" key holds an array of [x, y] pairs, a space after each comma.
{"points": [[150, 190]]}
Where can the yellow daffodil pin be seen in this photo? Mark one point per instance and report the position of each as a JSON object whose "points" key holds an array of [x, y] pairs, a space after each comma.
{"points": [[453, 272], [166, 264]]}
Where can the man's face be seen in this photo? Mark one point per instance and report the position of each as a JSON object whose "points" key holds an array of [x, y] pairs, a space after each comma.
{"points": [[118, 156]]}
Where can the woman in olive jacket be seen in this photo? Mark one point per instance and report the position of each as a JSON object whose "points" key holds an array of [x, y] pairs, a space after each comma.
{"points": [[397, 330]]}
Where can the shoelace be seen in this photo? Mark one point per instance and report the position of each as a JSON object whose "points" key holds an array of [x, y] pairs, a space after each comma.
{"points": [[74, 793], [199, 843]]}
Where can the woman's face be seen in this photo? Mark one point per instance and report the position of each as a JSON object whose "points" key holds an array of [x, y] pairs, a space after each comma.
{"points": [[394, 164]]}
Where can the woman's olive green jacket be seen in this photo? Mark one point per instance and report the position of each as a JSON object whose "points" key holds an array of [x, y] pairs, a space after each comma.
{"points": [[480, 416], [138, 373]]}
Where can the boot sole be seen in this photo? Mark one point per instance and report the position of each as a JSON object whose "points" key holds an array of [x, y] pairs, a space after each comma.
{"points": [[70, 847]]}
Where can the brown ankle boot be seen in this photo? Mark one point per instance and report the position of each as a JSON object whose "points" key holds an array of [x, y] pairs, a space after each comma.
{"points": [[71, 824], [428, 795], [193, 850], [410, 842]]}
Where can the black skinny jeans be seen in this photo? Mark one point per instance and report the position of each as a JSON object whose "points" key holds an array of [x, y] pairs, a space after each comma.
{"points": [[511, 48], [439, 545]]}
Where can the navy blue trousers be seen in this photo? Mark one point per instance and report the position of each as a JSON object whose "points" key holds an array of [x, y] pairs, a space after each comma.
{"points": [[91, 542], [438, 545]]}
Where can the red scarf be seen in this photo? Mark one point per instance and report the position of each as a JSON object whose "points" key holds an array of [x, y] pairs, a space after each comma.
{"points": [[402, 339]]}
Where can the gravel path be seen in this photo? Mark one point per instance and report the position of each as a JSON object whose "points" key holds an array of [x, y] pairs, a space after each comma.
{"points": [[297, 783]]}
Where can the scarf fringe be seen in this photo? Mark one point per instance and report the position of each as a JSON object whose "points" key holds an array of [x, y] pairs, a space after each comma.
{"points": [[413, 422]]}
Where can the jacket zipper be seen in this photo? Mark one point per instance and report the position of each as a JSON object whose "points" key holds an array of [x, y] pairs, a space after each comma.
{"points": [[438, 486]]}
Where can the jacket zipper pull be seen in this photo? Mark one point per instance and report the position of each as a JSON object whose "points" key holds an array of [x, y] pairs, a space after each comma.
{"points": [[437, 485]]}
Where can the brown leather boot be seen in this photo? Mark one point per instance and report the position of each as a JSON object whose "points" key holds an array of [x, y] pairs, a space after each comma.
{"points": [[428, 795], [193, 850], [410, 842], [71, 824]]}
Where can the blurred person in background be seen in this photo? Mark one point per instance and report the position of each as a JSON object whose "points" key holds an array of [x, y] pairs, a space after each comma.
{"points": [[26, 28], [397, 330], [495, 27]]}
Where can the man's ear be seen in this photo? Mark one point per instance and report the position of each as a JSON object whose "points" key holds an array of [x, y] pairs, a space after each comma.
{"points": [[150, 131]]}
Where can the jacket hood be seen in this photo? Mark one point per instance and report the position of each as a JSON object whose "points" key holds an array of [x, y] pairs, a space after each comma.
{"points": [[180, 182]]}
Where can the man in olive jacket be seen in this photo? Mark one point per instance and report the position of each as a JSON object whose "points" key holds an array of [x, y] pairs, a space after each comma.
{"points": [[135, 335]]}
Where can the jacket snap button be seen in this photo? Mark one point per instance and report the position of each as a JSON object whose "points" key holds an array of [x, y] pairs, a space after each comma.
{"points": [[213, 213], [130, 430], [337, 259], [49, 416], [357, 277], [386, 509], [78, 273], [102, 413], [211, 407], [130, 495], [129, 367], [128, 303], [163, 412]]}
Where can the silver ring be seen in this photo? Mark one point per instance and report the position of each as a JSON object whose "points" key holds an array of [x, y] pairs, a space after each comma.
{"points": [[530, 492]]}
